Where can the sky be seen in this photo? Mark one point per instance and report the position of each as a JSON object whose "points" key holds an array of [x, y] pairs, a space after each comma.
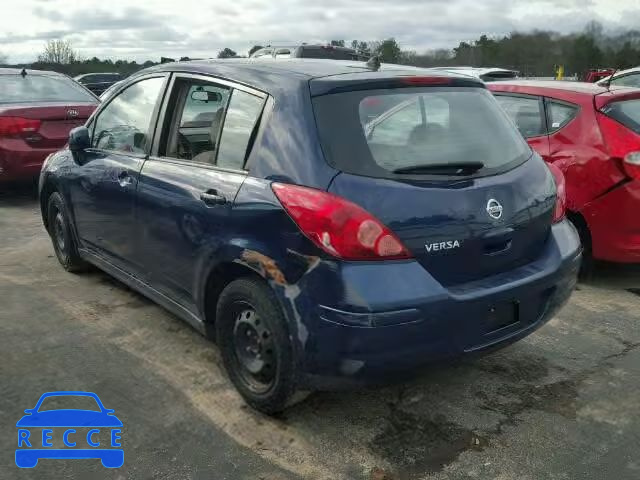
{"points": [[149, 29]]}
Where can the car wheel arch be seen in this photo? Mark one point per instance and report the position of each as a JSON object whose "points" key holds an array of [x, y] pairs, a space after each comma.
{"points": [[49, 187], [218, 277]]}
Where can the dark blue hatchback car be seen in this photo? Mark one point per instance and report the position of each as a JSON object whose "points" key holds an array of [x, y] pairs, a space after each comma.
{"points": [[323, 221]]}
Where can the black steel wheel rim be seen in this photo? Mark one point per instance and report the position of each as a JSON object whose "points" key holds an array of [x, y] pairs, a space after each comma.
{"points": [[254, 349], [59, 232]]}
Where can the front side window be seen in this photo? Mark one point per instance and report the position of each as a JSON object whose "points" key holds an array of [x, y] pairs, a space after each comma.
{"points": [[199, 109], [525, 113], [239, 125], [560, 114], [124, 124]]}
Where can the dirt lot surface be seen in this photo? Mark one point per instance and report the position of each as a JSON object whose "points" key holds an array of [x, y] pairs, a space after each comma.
{"points": [[562, 404]]}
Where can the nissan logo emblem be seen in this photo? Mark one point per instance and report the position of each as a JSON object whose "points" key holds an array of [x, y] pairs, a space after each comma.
{"points": [[494, 209], [72, 113]]}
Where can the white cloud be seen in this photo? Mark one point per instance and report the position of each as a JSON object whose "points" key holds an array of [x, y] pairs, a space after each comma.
{"points": [[200, 28]]}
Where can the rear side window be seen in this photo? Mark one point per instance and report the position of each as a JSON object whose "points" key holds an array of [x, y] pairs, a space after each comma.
{"points": [[525, 112], [41, 88], [378, 132], [626, 112], [560, 114], [239, 125]]}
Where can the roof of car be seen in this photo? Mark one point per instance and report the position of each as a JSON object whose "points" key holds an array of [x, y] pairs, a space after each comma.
{"points": [[268, 73]]}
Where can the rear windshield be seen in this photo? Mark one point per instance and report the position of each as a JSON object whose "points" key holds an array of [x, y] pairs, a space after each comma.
{"points": [[377, 132], [626, 112], [41, 88], [330, 53]]}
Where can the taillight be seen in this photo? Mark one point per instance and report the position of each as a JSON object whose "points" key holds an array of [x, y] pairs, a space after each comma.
{"points": [[338, 226], [632, 165], [561, 193], [10, 126]]}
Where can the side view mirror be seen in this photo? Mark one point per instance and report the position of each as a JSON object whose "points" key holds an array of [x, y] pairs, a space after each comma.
{"points": [[206, 96], [79, 139]]}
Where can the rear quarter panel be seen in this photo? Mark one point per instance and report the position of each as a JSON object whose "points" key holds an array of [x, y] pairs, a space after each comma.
{"points": [[289, 148]]}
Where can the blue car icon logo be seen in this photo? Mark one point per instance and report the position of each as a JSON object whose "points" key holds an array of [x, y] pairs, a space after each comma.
{"points": [[69, 433]]}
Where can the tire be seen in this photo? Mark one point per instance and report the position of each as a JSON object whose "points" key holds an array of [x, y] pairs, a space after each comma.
{"points": [[254, 342], [587, 265], [64, 244]]}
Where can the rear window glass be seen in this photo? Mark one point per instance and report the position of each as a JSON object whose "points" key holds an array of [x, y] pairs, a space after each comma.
{"points": [[41, 88], [377, 132], [626, 112]]}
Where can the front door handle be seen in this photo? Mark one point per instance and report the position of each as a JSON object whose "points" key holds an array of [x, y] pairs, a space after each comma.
{"points": [[212, 197], [124, 179]]}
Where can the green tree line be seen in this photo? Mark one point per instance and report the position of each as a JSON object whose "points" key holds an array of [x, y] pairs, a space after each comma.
{"points": [[536, 53]]}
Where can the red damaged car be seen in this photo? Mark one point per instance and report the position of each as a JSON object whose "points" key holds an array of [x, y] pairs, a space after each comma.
{"points": [[37, 111], [592, 134]]}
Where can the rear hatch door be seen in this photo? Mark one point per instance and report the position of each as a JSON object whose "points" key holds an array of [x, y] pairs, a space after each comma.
{"points": [[444, 168]]}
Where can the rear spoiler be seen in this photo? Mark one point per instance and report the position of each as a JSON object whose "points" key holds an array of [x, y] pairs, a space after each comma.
{"points": [[383, 80]]}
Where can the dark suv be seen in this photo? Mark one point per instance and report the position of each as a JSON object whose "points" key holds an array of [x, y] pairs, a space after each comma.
{"points": [[317, 242]]}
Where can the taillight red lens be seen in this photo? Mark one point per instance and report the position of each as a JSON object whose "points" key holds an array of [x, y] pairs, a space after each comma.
{"points": [[632, 165], [561, 193], [18, 126], [338, 226]]}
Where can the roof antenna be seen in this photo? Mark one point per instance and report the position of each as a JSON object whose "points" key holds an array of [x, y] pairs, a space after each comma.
{"points": [[23, 72], [615, 70], [374, 63]]}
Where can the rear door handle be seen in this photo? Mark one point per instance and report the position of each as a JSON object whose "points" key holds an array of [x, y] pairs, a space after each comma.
{"points": [[212, 197]]}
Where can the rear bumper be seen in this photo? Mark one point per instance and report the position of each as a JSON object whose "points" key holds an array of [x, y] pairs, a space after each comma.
{"points": [[402, 318], [22, 164]]}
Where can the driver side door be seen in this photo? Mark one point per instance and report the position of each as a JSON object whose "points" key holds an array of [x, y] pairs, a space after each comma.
{"points": [[104, 190]]}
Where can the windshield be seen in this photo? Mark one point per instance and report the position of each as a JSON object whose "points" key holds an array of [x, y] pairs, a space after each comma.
{"points": [[41, 88], [379, 132]]}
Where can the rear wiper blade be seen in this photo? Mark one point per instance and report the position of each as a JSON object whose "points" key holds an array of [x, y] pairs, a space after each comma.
{"points": [[457, 168]]}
